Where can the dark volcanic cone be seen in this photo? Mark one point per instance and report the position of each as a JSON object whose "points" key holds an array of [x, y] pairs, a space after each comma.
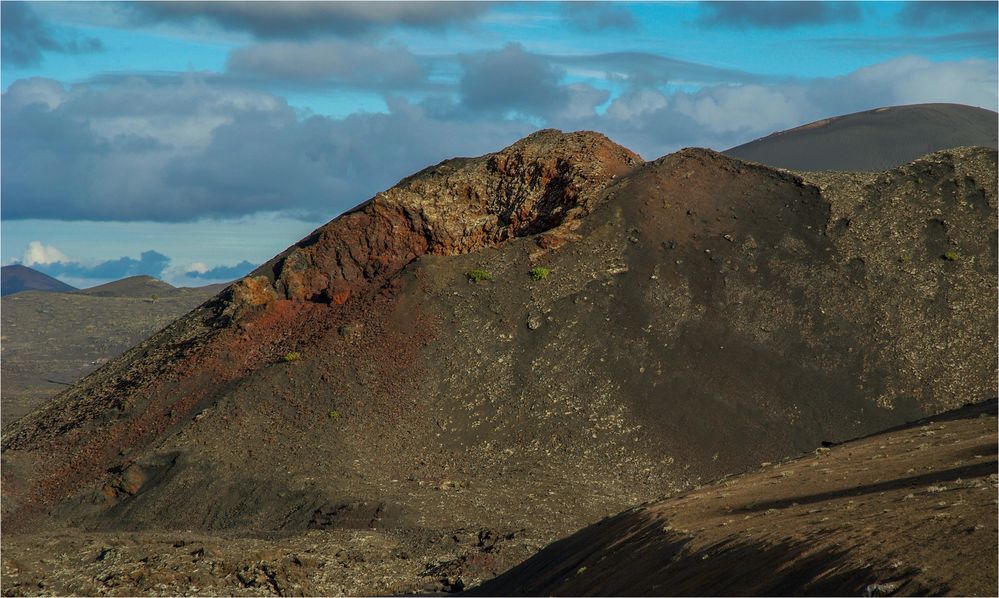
{"points": [[17, 278], [874, 140], [700, 315]]}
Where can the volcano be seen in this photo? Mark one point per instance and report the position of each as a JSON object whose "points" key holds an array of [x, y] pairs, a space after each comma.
{"points": [[17, 278], [874, 140], [500, 350]]}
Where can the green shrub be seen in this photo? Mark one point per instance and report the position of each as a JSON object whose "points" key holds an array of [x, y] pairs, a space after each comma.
{"points": [[290, 357], [478, 276], [540, 273], [334, 414], [950, 256]]}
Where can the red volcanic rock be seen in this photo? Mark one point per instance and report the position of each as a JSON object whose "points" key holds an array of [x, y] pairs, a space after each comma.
{"points": [[540, 183]]}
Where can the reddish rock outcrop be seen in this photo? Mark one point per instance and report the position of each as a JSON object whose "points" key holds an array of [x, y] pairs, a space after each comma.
{"points": [[538, 184]]}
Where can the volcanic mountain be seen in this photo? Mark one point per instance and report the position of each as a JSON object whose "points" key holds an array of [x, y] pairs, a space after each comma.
{"points": [[17, 278], [509, 347], [874, 140]]}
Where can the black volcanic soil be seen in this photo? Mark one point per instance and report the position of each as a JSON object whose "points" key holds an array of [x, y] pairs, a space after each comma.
{"points": [[874, 140], [17, 278], [908, 512], [701, 315]]}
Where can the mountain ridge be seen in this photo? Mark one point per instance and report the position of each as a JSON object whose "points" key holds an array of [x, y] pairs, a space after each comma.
{"points": [[701, 314]]}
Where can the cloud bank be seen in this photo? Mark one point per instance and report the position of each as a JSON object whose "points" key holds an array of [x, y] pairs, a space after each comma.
{"points": [[199, 270], [150, 263], [52, 261], [290, 20], [180, 147], [777, 15]]}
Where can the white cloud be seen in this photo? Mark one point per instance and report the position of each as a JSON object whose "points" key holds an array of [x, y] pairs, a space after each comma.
{"points": [[39, 253], [199, 267]]}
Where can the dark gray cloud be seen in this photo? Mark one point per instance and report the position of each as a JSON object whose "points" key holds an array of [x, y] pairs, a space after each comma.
{"points": [[925, 13], [275, 20], [222, 272], [598, 16], [511, 79], [187, 147], [342, 62], [24, 38], [777, 15], [150, 263]]}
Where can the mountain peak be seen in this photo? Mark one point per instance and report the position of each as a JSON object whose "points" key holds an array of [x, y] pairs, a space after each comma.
{"points": [[18, 277], [542, 182]]}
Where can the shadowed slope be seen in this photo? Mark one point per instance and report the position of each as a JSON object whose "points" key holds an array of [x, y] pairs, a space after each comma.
{"points": [[906, 512], [17, 278], [874, 140]]}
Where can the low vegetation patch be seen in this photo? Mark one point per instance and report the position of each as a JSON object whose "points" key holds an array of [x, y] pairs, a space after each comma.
{"points": [[540, 273], [478, 276], [950, 256], [290, 357]]}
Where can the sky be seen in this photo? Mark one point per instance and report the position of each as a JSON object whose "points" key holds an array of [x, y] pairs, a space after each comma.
{"points": [[192, 141]]}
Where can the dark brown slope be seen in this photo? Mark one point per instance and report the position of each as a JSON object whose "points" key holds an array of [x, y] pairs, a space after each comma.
{"points": [[702, 315], [17, 278], [905, 513], [874, 140]]}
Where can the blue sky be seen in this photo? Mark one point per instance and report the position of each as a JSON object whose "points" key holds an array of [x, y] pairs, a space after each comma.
{"points": [[192, 140]]}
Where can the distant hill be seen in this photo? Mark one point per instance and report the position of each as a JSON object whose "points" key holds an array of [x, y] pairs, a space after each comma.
{"points": [[133, 286], [143, 286], [17, 278], [874, 140]]}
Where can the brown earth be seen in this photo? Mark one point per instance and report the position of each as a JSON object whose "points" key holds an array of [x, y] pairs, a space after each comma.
{"points": [[701, 315], [908, 512]]}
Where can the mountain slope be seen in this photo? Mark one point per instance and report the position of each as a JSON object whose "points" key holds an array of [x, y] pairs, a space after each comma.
{"points": [[700, 315], [874, 140], [909, 512], [17, 278]]}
